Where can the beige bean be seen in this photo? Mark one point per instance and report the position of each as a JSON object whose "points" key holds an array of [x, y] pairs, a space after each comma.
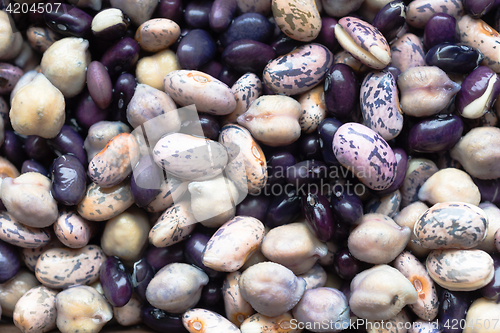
{"points": [[6, 34], [246, 90], [130, 313], [35, 312], [407, 51], [492, 213], [237, 308], [100, 134], [290, 16], [407, 217], [157, 34], [313, 109], [328, 259], [126, 235], [173, 226], [482, 316], [379, 293], [315, 277], [201, 320], [24, 80], [73, 230], [12, 290], [255, 258], [139, 11], [260, 323], [151, 70], [293, 246], [82, 307], [377, 239]]}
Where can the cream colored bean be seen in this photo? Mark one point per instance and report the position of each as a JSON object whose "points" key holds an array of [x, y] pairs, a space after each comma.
{"points": [[293, 246], [7, 36], [65, 64], [176, 287], [482, 316], [460, 270], [407, 51], [379, 293], [126, 235], [38, 108], [260, 323], [427, 305], [24, 80], [447, 185], [254, 259], [157, 34], [173, 226], [237, 308], [235, 241], [151, 70], [313, 109], [73, 230], [377, 239], [35, 312], [273, 120], [130, 313], [417, 172], [315, 277], [201, 320], [271, 289], [246, 90], [407, 217], [492, 213], [100, 134], [328, 259], [82, 308], [299, 20], [12, 290], [139, 11], [7, 169]]}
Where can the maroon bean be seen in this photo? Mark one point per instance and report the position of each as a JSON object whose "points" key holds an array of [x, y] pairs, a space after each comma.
{"points": [[99, 84], [221, 14]]}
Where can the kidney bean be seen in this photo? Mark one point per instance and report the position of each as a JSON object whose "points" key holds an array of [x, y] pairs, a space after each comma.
{"points": [[38, 149], [68, 20], [99, 84], [492, 289], [121, 56], [115, 282], [310, 147], [194, 248], [435, 134], [316, 209], [162, 321], [245, 55], [33, 166], [283, 209], [88, 113], [12, 148], [453, 307], [145, 173], [170, 9], [284, 44], [455, 58], [253, 26], [68, 141], [306, 172], [221, 14], [390, 19], [211, 294], [196, 49], [142, 274], [158, 257], [68, 180], [9, 262], [478, 8], [196, 14], [441, 28], [341, 91]]}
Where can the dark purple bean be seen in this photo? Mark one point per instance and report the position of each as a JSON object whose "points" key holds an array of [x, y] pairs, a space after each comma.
{"points": [[159, 257], [453, 307], [435, 134], [478, 92], [123, 92], [212, 292], [170, 9], [115, 282], [478, 8], [162, 321], [209, 124], [252, 26], [107, 26], [121, 56], [38, 149], [307, 172], [9, 76], [247, 55], [193, 251], [489, 189], [142, 274], [284, 44], [184, 32], [316, 210], [283, 209], [326, 131], [68, 141], [33, 166], [341, 91], [492, 289], [197, 12], [12, 149], [212, 68], [390, 19], [395, 71], [346, 265], [454, 58], [441, 28], [310, 147], [68, 180], [99, 84], [254, 206], [9, 261], [228, 76], [401, 167], [341, 231], [88, 113], [69, 21], [346, 207], [144, 181], [196, 49], [221, 14], [278, 163], [327, 34]]}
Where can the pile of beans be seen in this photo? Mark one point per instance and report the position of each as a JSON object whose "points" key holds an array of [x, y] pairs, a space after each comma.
{"points": [[250, 165]]}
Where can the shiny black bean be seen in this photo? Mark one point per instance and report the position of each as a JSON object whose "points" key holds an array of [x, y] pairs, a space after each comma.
{"points": [[346, 265], [193, 251], [327, 34], [144, 181], [9, 261], [454, 58], [33, 166], [12, 149], [212, 292], [492, 289], [121, 56], [478, 8], [170, 9], [162, 321], [123, 92], [346, 207], [88, 113], [252, 26], [197, 12], [68, 180], [341, 91], [228, 76], [196, 49], [440, 29], [390, 19], [316, 210], [453, 307], [158, 257], [68, 21], [307, 172], [115, 282], [326, 131], [142, 274], [310, 147], [283, 209], [221, 14], [435, 134], [401, 167], [38, 149], [489, 189], [278, 163], [254, 206], [212, 68], [68, 141], [247, 55], [284, 44]]}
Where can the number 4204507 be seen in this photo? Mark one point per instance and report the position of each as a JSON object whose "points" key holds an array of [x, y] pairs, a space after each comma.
{"points": [[24, 8], [477, 324]]}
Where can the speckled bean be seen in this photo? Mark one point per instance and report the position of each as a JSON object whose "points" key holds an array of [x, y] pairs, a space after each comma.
{"points": [[237, 308], [100, 134], [35, 311], [72, 230], [407, 51], [246, 90], [30, 255], [388, 204], [202, 320], [313, 109], [157, 34], [299, 20], [260, 323], [173, 226], [417, 173], [60, 268], [420, 11]]}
